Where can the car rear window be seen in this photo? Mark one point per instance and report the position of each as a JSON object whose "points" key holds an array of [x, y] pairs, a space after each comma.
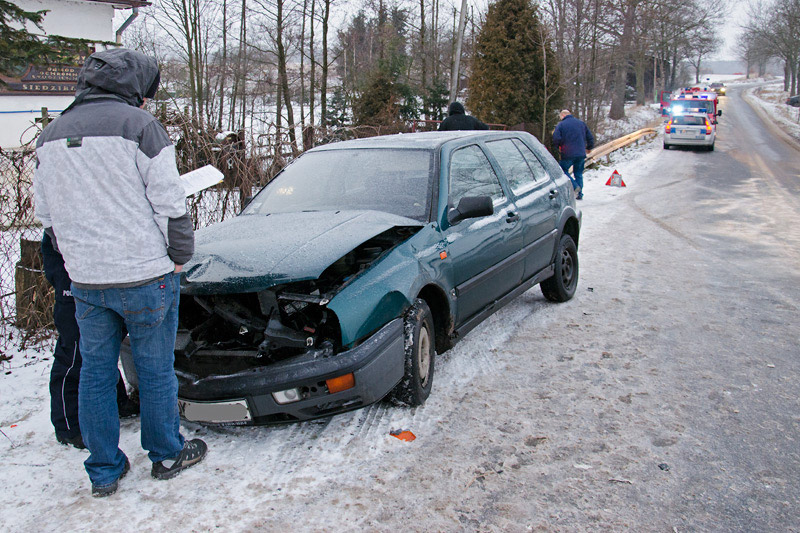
{"points": [[392, 181], [689, 121]]}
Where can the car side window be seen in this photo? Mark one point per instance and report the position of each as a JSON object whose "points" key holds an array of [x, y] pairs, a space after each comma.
{"points": [[533, 161], [508, 156], [472, 175]]}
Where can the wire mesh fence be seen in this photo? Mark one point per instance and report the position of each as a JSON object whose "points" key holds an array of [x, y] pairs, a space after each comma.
{"points": [[248, 162], [25, 298]]}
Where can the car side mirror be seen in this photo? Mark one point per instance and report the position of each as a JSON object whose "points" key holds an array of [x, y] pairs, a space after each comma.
{"points": [[471, 207], [719, 113]]}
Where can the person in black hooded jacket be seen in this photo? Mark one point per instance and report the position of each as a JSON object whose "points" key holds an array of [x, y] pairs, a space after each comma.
{"points": [[458, 120]]}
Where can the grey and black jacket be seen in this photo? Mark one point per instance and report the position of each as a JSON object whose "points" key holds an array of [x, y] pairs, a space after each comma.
{"points": [[106, 182]]}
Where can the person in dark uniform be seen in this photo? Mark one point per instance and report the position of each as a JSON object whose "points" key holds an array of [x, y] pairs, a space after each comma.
{"points": [[458, 120], [66, 370]]}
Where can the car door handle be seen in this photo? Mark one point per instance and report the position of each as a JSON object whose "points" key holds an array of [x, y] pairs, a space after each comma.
{"points": [[553, 193], [512, 217]]}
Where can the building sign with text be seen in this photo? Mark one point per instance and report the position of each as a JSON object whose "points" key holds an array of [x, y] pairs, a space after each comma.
{"points": [[42, 80]]}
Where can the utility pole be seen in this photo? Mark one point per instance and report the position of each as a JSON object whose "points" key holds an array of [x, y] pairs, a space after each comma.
{"points": [[462, 22]]}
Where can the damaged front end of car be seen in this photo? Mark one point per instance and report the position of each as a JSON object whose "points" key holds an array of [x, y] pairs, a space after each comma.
{"points": [[276, 354]]}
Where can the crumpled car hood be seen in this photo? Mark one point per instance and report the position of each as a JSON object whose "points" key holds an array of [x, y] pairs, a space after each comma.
{"points": [[253, 252]]}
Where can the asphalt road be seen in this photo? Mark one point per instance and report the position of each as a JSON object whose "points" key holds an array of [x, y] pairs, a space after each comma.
{"points": [[663, 397], [681, 349]]}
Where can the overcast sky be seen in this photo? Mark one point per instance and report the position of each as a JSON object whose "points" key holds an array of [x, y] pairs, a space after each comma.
{"points": [[731, 28]]}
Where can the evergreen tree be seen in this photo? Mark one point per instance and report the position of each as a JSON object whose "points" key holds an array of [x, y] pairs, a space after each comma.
{"points": [[436, 100], [377, 104], [508, 84], [19, 48], [337, 109]]}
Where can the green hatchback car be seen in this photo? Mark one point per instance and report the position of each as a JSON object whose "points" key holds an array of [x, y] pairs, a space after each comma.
{"points": [[343, 278]]}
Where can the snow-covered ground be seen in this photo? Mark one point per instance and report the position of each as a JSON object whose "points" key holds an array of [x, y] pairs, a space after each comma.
{"points": [[771, 99], [636, 118], [253, 471]]}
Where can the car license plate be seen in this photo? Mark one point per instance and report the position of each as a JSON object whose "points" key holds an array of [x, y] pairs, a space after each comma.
{"points": [[215, 412]]}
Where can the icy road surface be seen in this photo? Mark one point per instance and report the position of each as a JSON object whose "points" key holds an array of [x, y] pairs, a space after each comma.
{"points": [[680, 349]]}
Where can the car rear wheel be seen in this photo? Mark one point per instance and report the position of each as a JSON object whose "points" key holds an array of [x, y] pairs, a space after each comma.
{"points": [[561, 286], [666, 146], [710, 148], [420, 354]]}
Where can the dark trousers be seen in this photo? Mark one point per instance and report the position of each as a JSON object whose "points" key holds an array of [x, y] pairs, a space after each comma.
{"points": [[66, 370], [577, 164]]}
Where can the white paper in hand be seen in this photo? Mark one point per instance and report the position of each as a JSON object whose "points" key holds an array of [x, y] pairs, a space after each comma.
{"points": [[202, 178]]}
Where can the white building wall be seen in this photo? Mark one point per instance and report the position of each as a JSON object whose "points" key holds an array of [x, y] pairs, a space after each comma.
{"points": [[67, 18], [73, 18]]}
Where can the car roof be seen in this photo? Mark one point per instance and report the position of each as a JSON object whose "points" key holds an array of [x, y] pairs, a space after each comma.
{"points": [[427, 140]]}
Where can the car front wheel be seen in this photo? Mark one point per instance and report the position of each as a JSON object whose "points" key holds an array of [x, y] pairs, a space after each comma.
{"points": [[420, 353], [561, 286]]}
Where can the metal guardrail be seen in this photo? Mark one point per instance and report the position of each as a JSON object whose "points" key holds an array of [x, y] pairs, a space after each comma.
{"points": [[605, 149]]}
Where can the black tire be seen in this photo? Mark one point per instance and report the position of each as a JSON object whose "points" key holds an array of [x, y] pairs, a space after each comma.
{"points": [[666, 146], [420, 355], [710, 148], [561, 286]]}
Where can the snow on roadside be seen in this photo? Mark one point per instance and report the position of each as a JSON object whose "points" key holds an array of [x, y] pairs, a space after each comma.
{"points": [[636, 118], [771, 99]]}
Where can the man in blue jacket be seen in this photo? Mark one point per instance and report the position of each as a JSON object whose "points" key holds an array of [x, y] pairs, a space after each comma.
{"points": [[573, 138]]}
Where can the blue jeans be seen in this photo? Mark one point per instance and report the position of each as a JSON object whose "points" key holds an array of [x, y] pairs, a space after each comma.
{"points": [[150, 314], [577, 169]]}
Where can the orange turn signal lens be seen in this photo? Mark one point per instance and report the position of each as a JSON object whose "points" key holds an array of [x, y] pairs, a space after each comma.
{"points": [[442, 255], [338, 384]]}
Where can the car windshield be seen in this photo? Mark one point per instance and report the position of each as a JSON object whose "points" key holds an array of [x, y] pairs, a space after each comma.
{"points": [[689, 121], [392, 181]]}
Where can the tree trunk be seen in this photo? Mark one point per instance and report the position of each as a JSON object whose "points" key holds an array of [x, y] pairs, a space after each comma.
{"points": [[302, 66], [223, 72], [424, 58], [243, 73], [617, 110], [312, 83], [283, 77], [786, 80], [640, 69], [323, 97]]}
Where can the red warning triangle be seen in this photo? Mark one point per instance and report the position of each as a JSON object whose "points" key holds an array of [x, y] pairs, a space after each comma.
{"points": [[616, 180]]}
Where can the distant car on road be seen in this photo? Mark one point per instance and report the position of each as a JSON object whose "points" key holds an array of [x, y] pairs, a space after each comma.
{"points": [[691, 129], [718, 88], [793, 101]]}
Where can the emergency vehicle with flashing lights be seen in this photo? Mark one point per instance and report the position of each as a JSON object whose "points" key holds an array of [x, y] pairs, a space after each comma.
{"points": [[695, 101], [664, 99], [689, 129]]}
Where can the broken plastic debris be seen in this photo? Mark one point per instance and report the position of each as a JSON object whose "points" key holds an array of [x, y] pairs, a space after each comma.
{"points": [[403, 434], [13, 425], [580, 466], [663, 466]]}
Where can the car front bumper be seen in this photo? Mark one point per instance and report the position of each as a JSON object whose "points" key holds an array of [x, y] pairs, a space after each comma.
{"points": [[246, 398]]}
